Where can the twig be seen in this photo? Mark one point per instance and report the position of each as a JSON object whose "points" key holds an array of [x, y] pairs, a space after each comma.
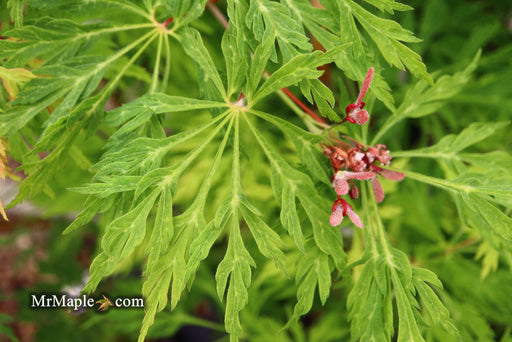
{"points": [[303, 106], [218, 14]]}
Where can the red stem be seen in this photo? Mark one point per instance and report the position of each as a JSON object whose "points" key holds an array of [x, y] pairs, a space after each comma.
{"points": [[303, 106], [218, 14]]}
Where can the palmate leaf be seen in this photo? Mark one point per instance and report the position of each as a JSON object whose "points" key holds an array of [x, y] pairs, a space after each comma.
{"points": [[450, 145], [333, 26], [388, 274], [289, 33], [167, 262], [72, 80], [297, 69], [388, 35], [64, 128], [236, 266], [167, 258], [313, 89], [120, 168], [370, 308], [120, 241], [313, 269], [237, 262], [287, 183], [55, 39], [477, 198]]}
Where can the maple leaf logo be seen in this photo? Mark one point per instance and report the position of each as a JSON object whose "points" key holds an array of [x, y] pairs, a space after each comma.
{"points": [[105, 303]]}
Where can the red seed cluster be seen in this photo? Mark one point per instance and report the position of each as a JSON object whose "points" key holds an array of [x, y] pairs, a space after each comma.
{"points": [[355, 162], [357, 158]]}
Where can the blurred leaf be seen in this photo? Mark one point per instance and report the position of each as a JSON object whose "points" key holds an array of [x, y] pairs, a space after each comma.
{"points": [[16, 7], [421, 100], [451, 144]]}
